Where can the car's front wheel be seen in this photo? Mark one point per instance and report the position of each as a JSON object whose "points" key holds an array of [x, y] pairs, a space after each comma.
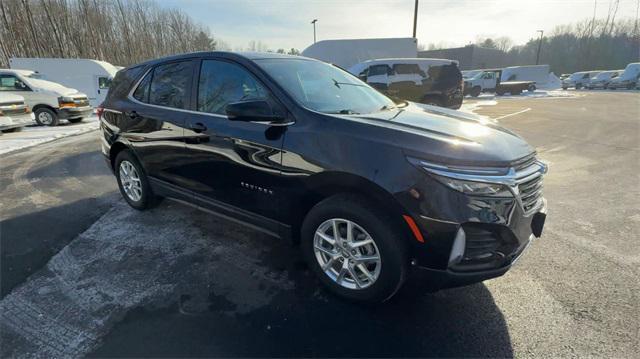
{"points": [[132, 181], [354, 249], [46, 117]]}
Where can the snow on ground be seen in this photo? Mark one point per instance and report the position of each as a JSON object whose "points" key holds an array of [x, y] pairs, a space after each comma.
{"points": [[35, 135]]}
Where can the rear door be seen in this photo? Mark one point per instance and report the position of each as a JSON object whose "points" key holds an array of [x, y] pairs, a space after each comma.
{"points": [[233, 166], [153, 120]]}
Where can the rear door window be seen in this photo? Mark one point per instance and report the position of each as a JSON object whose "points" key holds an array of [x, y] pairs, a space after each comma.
{"points": [[223, 82], [170, 85]]}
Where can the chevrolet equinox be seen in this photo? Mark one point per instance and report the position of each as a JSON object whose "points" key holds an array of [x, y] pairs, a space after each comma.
{"points": [[297, 148]]}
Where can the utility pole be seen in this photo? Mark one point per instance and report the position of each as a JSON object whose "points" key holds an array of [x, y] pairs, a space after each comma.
{"points": [[314, 29], [539, 46], [415, 19]]}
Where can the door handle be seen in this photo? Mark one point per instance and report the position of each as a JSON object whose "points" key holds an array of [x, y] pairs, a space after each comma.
{"points": [[198, 127]]}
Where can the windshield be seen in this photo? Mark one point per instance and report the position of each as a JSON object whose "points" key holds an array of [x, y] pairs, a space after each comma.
{"points": [[325, 88]]}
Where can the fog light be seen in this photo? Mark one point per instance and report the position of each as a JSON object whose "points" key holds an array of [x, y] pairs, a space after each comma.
{"points": [[457, 251]]}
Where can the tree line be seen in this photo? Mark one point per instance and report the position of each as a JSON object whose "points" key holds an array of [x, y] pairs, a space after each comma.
{"points": [[121, 32], [590, 44]]}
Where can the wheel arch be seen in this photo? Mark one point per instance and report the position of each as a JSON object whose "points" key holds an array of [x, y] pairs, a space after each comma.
{"points": [[114, 150], [42, 105], [327, 184]]}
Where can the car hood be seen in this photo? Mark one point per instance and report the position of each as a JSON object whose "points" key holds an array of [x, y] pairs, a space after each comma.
{"points": [[53, 87], [452, 137]]}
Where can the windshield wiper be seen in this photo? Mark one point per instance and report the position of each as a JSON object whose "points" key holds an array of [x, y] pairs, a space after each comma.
{"points": [[338, 83]]}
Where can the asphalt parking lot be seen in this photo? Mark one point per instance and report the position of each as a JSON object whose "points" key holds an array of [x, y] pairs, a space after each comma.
{"points": [[83, 274]]}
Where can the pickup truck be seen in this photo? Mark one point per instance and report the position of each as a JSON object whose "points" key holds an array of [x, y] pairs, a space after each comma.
{"points": [[489, 81]]}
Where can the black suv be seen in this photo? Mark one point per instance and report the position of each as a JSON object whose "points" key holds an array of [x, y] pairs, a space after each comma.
{"points": [[301, 149]]}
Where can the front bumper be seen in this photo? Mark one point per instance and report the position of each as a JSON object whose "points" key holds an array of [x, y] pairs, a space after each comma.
{"points": [[74, 112], [495, 232], [13, 121]]}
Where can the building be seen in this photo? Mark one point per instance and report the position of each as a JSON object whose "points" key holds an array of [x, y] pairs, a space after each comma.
{"points": [[470, 57]]}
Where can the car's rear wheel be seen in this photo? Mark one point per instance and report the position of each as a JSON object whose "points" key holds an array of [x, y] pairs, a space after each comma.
{"points": [[353, 249], [475, 91], [531, 88], [46, 117], [133, 182]]}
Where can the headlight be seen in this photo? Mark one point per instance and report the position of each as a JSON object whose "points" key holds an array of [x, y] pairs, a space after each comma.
{"points": [[475, 188], [65, 99]]}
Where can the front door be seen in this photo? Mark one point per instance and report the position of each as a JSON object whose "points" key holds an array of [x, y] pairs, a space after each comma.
{"points": [[233, 163]]}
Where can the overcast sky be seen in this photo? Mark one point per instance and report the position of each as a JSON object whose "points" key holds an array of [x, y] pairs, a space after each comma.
{"points": [[286, 23]]}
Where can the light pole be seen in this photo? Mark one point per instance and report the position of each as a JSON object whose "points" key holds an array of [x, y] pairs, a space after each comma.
{"points": [[539, 46], [415, 19], [314, 29]]}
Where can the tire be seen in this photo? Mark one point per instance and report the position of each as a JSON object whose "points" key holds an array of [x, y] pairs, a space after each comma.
{"points": [[75, 120], [46, 117], [564, 88], [475, 91], [385, 277], [631, 86], [500, 92], [138, 196], [578, 86], [531, 88]]}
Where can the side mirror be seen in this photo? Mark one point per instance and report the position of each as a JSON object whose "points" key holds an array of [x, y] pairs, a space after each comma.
{"points": [[252, 111]]}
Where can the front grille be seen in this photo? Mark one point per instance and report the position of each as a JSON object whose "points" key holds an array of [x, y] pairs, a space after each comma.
{"points": [[524, 162], [530, 185]]}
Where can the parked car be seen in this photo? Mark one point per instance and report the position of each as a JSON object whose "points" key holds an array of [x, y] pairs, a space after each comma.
{"points": [[602, 79], [435, 82], [629, 79], [578, 80], [564, 76], [14, 113], [489, 81], [91, 77], [300, 149], [349, 52], [51, 102]]}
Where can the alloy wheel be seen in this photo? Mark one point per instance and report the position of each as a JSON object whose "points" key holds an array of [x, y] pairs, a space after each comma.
{"points": [[347, 254], [130, 181]]}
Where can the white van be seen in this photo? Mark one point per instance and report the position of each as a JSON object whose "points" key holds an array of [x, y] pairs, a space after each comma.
{"points": [[536, 73], [14, 113], [51, 102], [91, 77], [629, 79], [579, 79], [602, 79]]}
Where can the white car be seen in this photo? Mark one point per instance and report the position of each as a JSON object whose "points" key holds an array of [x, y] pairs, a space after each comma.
{"points": [[579, 80], [602, 79], [14, 113], [51, 102], [629, 79]]}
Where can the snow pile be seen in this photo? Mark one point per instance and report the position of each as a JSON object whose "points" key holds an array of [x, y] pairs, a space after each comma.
{"points": [[35, 135], [553, 82]]}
